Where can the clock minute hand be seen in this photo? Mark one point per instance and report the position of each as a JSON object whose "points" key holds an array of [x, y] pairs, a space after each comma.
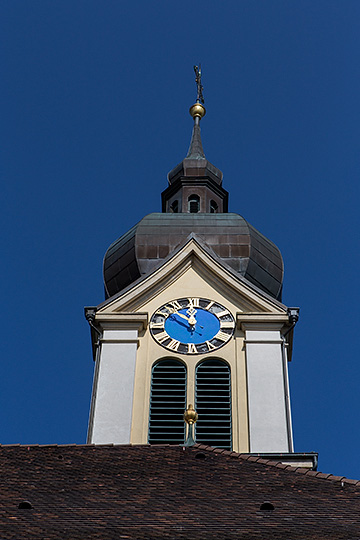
{"points": [[191, 320], [181, 315]]}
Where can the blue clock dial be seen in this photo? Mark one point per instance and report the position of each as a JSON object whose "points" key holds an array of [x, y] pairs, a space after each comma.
{"points": [[192, 325], [206, 327]]}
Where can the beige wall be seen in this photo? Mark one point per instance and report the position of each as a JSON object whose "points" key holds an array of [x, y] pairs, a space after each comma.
{"points": [[192, 272], [191, 284]]}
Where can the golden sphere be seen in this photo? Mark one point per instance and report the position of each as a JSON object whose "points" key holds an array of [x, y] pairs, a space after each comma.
{"points": [[197, 110], [190, 415]]}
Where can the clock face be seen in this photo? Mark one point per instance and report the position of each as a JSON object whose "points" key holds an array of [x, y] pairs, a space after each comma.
{"points": [[192, 325]]}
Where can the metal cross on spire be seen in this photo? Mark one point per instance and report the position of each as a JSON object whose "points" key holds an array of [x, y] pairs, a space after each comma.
{"points": [[200, 88]]}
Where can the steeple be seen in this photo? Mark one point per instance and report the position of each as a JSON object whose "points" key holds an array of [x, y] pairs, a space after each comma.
{"points": [[195, 184], [193, 315], [197, 111], [194, 194], [196, 150]]}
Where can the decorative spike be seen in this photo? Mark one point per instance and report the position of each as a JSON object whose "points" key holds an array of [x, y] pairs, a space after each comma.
{"points": [[199, 86]]}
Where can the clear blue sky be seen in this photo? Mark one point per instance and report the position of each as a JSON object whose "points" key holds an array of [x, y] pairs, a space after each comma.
{"points": [[94, 99]]}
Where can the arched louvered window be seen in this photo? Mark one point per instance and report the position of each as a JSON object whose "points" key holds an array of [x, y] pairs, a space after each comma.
{"points": [[213, 404], [213, 207], [194, 204], [167, 403], [174, 207]]}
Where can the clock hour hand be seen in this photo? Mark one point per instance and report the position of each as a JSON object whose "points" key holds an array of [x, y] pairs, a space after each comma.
{"points": [[189, 326], [191, 320], [186, 326], [181, 315]]}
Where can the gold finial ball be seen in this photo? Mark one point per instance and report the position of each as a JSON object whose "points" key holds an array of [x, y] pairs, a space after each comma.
{"points": [[197, 110], [190, 415]]}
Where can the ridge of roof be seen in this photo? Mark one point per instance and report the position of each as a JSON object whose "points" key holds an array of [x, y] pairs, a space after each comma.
{"points": [[258, 459], [236, 455]]}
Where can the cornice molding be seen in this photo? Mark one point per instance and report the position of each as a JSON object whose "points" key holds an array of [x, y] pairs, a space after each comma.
{"points": [[255, 321], [110, 321]]}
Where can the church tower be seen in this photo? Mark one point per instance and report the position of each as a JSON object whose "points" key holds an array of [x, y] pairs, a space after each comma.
{"points": [[193, 314]]}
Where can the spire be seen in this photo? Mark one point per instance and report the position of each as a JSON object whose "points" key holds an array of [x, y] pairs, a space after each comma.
{"points": [[197, 111], [195, 183], [196, 150]]}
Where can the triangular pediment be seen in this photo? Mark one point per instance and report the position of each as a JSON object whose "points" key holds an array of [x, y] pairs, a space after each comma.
{"points": [[191, 268]]}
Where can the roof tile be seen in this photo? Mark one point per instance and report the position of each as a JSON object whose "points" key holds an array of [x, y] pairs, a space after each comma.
{"points": [[163, 492]]}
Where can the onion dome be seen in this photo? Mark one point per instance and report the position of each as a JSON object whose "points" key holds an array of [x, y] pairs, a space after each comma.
{"points": [[230, 238], [194, 202]]}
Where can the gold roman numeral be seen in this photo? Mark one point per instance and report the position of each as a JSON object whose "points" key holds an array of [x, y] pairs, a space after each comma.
{"points": [[161, 313], [162, 336], [173, 345], [194, 302], [173, 306], [222, 336], [210, 304], [211, 347], [191, 348], [226, 324], [223, 313], [157, 324]]}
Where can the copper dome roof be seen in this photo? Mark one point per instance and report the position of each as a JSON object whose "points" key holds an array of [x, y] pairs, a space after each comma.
{"points": [[231, 238]]}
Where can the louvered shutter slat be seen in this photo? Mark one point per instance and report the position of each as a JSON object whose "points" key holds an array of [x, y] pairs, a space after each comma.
{"points": [[213, 404], [167, 403]]}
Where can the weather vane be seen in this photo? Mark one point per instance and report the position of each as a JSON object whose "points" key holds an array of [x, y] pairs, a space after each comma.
{"points": [[199, 97]]}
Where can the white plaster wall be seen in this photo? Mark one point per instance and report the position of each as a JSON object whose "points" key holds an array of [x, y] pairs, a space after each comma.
{"points": [[268, 428], [113, 399]]}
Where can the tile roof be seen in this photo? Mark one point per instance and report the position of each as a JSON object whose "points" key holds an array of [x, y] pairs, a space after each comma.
{"points": [[164, 492]]}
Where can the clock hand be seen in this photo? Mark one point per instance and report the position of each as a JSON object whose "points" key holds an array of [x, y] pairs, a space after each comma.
{"points": [[181, 315], [191, 320], [186, 326], [193, 331], [190, 327]]}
